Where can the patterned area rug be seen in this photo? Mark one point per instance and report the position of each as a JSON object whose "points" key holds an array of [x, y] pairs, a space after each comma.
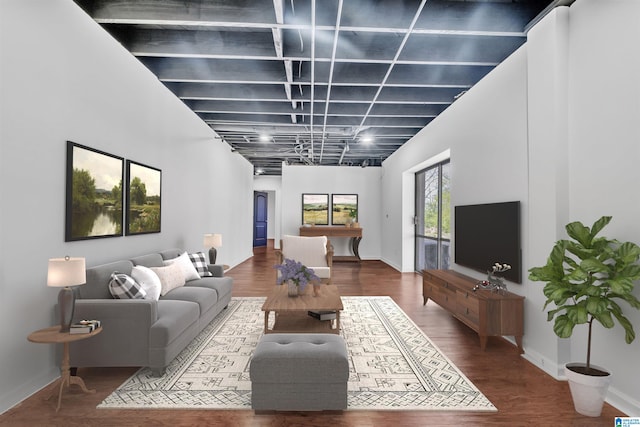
{"points": [[393, 365]]}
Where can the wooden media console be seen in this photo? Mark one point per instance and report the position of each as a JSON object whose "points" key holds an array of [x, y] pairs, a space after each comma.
{"points": [[486, 312]]}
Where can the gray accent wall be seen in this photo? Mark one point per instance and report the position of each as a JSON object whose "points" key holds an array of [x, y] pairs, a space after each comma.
{"points": [[90, 90]]}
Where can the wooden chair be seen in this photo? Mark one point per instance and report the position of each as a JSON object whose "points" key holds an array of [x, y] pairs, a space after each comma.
{"points": [[314, 252]]}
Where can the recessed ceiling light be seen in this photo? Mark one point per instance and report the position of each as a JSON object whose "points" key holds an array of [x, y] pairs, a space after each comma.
{"points": [[367, 139], [265, 138]]}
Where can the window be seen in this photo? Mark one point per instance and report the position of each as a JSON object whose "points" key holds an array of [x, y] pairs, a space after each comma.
{"points": [[433, 217]]}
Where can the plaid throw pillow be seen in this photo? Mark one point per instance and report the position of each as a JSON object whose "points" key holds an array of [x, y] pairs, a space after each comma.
{"points": [[123, 286], [200, 263]]}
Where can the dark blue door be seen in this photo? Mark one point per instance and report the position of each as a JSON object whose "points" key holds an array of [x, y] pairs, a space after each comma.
{"points": [[260, 206]]}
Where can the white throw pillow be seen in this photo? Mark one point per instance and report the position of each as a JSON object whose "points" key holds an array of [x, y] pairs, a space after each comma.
{"points": [[184, 262], [149, 281], [171, 277]]}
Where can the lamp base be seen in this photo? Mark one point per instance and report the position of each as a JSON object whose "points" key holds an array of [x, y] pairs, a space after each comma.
{"points": [[66, 306], [213, 253]]}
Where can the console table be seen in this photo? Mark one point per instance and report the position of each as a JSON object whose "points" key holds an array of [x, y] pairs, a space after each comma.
{"points": [[486, 312], [355, 233]]}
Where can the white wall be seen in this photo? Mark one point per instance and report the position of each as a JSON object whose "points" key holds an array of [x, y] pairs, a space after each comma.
{"points": [[365, 182], [488, 155], [63, 78], [548, 74], [554, 126], [604, 148]]}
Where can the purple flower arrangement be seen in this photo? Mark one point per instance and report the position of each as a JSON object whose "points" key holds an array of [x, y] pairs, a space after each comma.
{"points": [[296, 272]]}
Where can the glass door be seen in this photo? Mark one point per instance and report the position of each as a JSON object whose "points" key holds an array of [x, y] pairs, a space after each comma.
{"points": [[433, 217]]}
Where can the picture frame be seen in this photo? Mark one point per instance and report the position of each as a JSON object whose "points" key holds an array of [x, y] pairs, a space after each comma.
{"points": [[94, 196], [144, 199], [315, 209], [344, 209]]}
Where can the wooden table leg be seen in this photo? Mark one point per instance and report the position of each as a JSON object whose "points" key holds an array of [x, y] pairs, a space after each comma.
{"points": [[66, 379], [355, 246], [266, 322], [483, 342], [519, 343]]}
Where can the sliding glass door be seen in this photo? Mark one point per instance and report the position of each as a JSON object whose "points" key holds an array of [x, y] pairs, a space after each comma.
{"points": [[433, 217]]}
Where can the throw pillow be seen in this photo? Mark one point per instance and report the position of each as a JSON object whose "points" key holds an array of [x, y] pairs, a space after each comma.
{"points": [[188, 270], [200, 263], [123, 286], [148, 280], [171, 277]]}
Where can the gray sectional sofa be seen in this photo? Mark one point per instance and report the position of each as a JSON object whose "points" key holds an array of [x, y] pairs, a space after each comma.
{"points": [[145, 332]]}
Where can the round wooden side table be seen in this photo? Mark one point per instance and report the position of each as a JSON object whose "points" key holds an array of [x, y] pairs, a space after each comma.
{"points": [[53, 335]]}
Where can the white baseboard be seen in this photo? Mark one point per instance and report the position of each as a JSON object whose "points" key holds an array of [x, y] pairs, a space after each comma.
{"points": [[13, 397], [392, 265], [626, 404], [623, 402], [544, 363]]}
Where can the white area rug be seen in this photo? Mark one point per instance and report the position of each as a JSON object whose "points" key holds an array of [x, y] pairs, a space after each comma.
{"points": [[393, 365]]}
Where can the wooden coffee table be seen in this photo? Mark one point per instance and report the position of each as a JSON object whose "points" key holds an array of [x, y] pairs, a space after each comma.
{"points": [[290, 313]]}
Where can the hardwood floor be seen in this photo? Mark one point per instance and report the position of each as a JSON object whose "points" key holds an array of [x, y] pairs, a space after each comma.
{"points": [[523, 394]]}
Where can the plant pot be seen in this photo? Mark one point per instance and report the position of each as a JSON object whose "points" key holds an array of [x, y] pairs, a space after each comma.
{"points": [[588, 391]]}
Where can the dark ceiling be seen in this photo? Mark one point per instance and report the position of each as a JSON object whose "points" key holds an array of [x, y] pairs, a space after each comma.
{"points": [[322, 82]]}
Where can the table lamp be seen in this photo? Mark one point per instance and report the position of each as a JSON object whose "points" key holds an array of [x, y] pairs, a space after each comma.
{"points": [[66, 272], [213, 241]]}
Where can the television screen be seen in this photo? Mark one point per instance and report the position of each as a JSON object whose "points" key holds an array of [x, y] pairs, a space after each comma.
{"points": [[488, 233]]}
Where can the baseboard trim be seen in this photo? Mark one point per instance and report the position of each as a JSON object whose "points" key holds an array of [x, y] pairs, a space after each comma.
{"points": [[14, 397]]}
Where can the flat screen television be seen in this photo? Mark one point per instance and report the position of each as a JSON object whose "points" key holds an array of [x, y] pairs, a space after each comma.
{"points": [[488, 233]]}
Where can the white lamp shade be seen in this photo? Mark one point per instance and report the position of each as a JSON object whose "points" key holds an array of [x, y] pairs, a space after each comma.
{"points": [[66, 272], [213, 240]]}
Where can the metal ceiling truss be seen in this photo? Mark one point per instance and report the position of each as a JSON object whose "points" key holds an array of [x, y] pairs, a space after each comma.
{"points": [[306, 81]]}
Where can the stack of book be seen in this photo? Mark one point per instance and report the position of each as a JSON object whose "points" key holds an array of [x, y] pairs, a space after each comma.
{"points": [[322, 315], [84, 327]]}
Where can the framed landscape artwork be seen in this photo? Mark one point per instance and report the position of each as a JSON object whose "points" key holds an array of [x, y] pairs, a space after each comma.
{"points": [[344, 207], [315, 209], [143, 199], [93, 193]]}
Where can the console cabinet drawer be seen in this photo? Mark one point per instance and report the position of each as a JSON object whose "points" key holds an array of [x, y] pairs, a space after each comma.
{"points": [[488, 313], [468, 308]]}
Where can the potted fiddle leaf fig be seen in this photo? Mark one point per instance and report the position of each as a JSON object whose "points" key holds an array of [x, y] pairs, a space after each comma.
{"points": [[586, 278]]}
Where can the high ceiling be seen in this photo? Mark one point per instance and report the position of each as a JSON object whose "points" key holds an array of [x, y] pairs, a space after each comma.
{"points": [[323, 82]]}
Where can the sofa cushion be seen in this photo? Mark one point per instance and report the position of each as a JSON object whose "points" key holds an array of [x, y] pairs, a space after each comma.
{"points": [[170, 276], [171, 253], [222, 285], [204, 297], [199, 261], [148, 280], [97, 285], [149, 260], [188, 270], [123, 286]]}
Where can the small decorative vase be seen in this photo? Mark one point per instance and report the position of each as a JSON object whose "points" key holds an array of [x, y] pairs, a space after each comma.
{"points": [[316, 289], [292, 288]]}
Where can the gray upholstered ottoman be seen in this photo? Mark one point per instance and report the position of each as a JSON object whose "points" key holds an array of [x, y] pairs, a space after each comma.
{"points": [[299, 372]]}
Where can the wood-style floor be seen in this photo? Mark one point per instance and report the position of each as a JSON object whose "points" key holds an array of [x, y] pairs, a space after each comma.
{"points": [[523, 394]]}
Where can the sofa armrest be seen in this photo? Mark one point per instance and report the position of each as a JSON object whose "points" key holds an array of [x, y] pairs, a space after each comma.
{"points": [[124, 340], [143, 312], [216, 269]]}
